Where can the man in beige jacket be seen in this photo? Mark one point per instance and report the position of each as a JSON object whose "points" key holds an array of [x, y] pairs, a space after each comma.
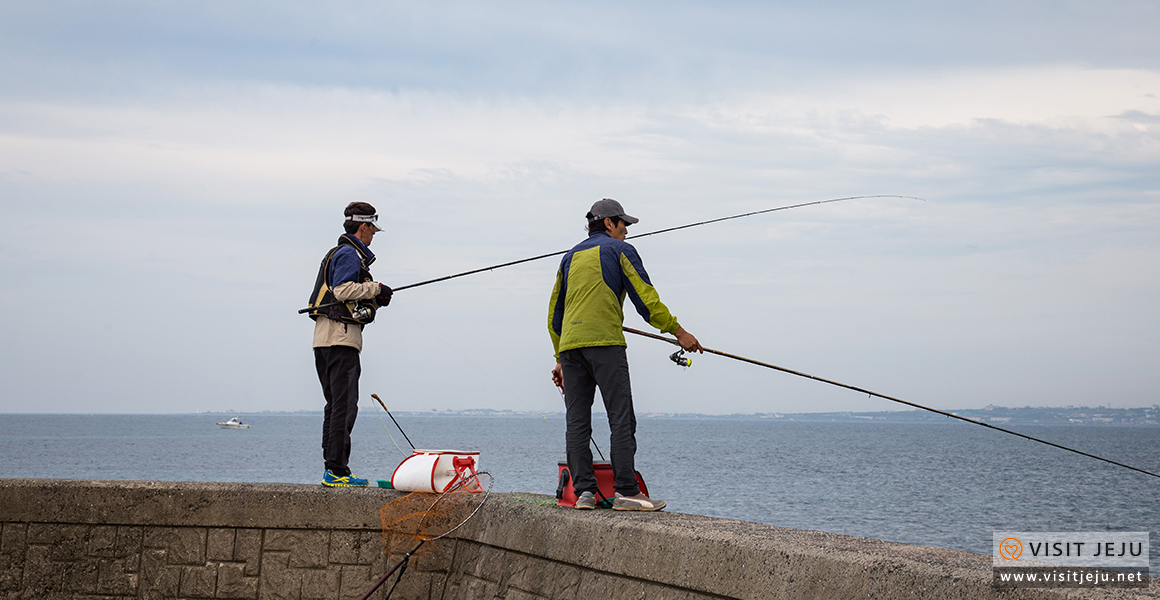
{"points": [[344, 300]]}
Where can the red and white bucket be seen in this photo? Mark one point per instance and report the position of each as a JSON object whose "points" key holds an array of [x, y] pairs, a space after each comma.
{"points": [[436, 471]]}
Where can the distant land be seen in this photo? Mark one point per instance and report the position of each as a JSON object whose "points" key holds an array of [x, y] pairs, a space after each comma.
{"points": [[991, 414]]}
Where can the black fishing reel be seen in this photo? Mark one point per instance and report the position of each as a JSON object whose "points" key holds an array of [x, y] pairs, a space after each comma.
{"points": [[680, 358]]}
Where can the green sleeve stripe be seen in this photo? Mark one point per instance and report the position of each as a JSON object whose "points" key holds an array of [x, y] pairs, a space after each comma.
{"points": [[554, 304]]}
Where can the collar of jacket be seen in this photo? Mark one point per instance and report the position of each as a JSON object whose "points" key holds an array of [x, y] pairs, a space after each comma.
{"points": [[365, 253]]}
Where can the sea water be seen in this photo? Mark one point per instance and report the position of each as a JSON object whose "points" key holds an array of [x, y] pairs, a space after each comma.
{"points": [[944, 484]]}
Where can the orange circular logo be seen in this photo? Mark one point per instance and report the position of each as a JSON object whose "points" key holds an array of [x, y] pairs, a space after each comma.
{"points": [[1010, 548]]}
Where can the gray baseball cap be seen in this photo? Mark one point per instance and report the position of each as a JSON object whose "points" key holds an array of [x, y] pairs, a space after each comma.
{"points": [[610, 208]]}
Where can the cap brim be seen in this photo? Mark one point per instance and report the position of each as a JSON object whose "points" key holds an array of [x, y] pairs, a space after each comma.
{"points": [[630, 220], [376, 226]]}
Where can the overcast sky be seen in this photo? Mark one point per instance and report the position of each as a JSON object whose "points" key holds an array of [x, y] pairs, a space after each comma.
{"points": [[172, 173]]}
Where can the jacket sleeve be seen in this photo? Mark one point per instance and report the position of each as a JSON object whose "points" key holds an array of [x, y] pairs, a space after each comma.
{"points": [[556, 312], [356, 291], [643, 295]]}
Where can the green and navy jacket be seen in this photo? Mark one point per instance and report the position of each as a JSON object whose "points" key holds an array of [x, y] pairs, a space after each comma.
{"points": [[587, 305]]}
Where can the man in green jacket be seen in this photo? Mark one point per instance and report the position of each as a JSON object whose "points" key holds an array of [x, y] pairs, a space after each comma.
{"points": [[585, 317]]}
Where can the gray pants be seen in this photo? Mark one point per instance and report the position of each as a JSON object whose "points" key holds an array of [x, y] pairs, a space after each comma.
{"points": [[584, 369]]}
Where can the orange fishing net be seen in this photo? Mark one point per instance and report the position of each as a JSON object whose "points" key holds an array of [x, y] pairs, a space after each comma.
{"points": [[424, 517]]}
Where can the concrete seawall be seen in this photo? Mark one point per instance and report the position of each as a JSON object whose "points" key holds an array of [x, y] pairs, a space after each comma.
{"points": [[133, 539]]}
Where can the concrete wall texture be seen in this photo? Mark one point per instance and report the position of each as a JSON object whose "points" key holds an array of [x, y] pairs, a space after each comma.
{"points": [[133, 539]]}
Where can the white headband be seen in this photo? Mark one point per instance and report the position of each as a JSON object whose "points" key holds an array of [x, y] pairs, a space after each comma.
{"points": [[363, 218]]}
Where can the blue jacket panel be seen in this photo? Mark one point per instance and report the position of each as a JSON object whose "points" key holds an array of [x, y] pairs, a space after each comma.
{"points": [[345, 265]]}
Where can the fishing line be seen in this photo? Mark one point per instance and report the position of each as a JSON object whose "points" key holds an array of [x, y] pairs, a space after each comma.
{"points": [[631, 237], [885, 397], [590, 438], [381, 403], [388, 431]]}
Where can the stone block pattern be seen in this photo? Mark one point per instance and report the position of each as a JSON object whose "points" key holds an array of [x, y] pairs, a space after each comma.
{"points": [[59, 561], [527, 577], [159, 540], [83, 561]]}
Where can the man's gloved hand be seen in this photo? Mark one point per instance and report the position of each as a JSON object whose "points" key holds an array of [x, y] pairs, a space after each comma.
{"points": [[385, 293]]}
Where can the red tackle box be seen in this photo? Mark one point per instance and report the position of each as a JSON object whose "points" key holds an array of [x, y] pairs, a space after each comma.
{"points": [[566, 496]]}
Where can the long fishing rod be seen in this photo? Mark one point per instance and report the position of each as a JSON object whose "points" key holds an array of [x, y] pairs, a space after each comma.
{"points": [[631, 237], [675, 357]]}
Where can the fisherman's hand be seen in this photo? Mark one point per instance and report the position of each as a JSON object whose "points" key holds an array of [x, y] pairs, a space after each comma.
{"points": [[558, 377], [687, 341], [385, 293]]}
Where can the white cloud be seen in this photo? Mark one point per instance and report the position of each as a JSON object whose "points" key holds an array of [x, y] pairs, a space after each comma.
{"points": [[186, 212], [1053, 95]]}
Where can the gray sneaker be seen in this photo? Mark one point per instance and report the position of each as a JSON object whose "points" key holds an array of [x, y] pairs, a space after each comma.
{"points": [[586, 501], [637, 502]]}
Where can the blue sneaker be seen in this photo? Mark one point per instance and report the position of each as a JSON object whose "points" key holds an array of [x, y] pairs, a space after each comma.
{"points": [[329, 479]]}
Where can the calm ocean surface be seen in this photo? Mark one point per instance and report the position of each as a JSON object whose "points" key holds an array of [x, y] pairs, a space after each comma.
{"points": [[938, 484]]}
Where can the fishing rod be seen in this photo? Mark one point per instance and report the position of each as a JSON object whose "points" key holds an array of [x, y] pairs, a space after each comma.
{"points": [[631, 237], [590, 438], [676, 357], [376, 397]]}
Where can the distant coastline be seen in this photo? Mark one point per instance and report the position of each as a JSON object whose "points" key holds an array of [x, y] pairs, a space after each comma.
{"points": [[1069, 415]]}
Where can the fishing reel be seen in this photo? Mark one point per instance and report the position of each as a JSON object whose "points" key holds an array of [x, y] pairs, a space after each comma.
{"points": [[362, 312], [680, 358]]}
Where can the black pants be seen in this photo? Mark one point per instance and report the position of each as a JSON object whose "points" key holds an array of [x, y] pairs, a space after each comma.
{"points": [[584, 369], [338, 371]]}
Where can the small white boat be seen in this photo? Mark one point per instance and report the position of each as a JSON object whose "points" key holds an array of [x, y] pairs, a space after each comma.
{"points": [[233, 423]]}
